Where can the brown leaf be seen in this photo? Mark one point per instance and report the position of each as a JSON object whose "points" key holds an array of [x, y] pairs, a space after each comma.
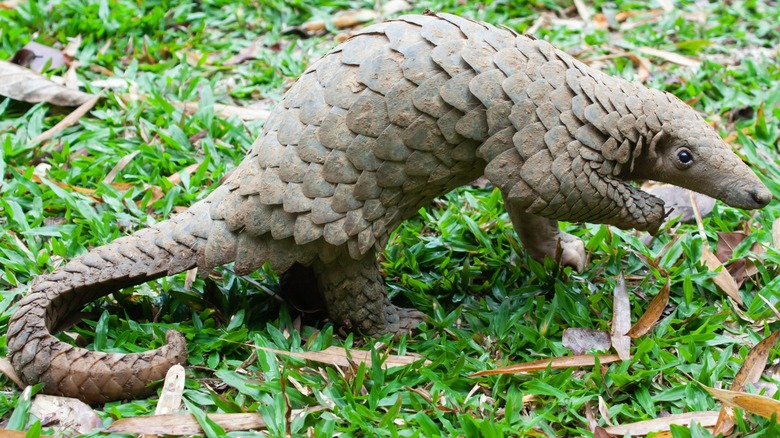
{"points": [[185, 424], [755, 362], [67, 416], [742, 268], [245, 54], [581, 340], [750, 372], [19, 83], [338, 356], [642, 65], [226, 111], [8, 370], [722, 279], [604, 411], [652, 314], [625, 15], [6, 433], [641, 428], [72, 48], [121, 164], [679, 199], [176, 177], [583, 10], [69, 120], [675, 58], [590, 418], [10, 4], [553, 363], [621, 320], [395, 6], [481, 183], [36, 57], [173, 387], [776, 233], [755, 404], [725, 422], [726, 244], [341, 21]]}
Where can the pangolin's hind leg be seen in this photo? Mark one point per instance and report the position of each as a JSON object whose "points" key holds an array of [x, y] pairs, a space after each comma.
{"points": [[542, 238], [356, 298]]}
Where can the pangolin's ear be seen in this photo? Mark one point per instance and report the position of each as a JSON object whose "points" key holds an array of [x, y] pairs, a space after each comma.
{"points": [[657, 140]]}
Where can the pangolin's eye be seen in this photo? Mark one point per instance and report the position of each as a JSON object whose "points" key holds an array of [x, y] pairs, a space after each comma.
{"points": [[685, 157]]}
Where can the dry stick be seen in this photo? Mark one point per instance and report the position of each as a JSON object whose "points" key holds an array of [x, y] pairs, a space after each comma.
{"points": [[69, 120]]}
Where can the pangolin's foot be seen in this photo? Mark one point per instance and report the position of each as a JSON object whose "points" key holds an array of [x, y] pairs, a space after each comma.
{"points": [[400, 320], [356, 298], [542, 238], [571, 252]]}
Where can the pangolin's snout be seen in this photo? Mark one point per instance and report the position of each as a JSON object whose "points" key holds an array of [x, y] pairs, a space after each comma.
{"points": [[761, 196]]}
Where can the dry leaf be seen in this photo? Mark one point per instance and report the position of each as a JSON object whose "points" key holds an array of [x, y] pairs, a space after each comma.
{"points": [[604, 411], [581, 340], [8, 370], [776, 233], [755, 362], [395, 6], [245, 54], [553, 363], [667, 5], [679, 199], [226, 111], [583, 10], [341, 21], [5, 433], [652, 314], [739, 269], [121, 164], [36, 57], [19, 83], [621, 320], [755, 404], [67, 416], [601, 21], [189, 278], [725, 422], [671, 57], [750, 372], [69, 120], [184, 424], [643, 66], [722, 279], [590, 418], [726, 244], [10, 4], [641, 428], [338, 356], [173, 387], [73, 47], [625, 15]]}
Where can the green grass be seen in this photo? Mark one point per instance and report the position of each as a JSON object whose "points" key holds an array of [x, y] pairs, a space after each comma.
{"points": [[459, 261]]}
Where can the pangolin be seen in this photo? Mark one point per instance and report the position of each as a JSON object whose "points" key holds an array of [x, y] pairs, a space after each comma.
{"points": [[402, 112]]}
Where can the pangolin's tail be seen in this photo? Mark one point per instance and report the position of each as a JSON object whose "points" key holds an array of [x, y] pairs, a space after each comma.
{"points": [[167, 248]]}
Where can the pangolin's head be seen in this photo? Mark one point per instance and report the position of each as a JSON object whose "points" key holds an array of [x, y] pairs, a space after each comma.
{"points": [[687, 152]]}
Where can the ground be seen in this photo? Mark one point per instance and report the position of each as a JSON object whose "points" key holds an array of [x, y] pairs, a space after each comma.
{"points": [[459, 261]]}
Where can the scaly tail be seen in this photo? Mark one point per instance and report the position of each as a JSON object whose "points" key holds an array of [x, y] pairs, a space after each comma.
{"points": [[165, 249]]}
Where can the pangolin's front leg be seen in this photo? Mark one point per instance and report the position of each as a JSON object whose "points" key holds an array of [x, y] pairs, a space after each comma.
{"points": [[542, 238], [356, 298]]}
